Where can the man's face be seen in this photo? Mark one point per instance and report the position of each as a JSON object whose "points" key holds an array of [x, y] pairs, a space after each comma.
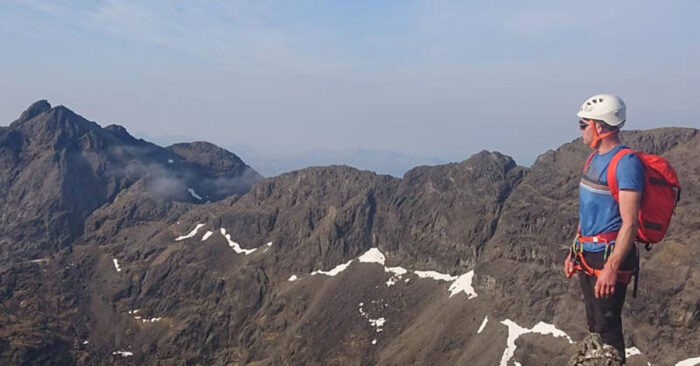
{"points": [[587, 132]]}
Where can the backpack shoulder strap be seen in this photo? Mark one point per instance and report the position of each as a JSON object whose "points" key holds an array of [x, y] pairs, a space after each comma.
{"points": [[588, 162], [612, 172]]}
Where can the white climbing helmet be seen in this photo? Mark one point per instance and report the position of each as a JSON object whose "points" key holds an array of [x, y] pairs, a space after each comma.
{"points": [[604, 107]]}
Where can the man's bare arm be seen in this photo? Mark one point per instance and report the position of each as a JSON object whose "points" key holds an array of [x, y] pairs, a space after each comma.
{"points": [[629, 202]]}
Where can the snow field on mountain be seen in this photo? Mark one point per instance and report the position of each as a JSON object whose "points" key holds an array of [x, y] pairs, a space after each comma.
{"points": [[629, 352], [333, 272], [234, 245], [116, 265], [515, 331], [459, 284], [373, 255], [207, 235], [191, 234], [141, 319], [462, 283], [377, 323], [689, 362], [483, 325], [194, 194]]}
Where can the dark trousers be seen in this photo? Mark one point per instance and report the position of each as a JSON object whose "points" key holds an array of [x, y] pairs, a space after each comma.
{"points": [[604, 316]]}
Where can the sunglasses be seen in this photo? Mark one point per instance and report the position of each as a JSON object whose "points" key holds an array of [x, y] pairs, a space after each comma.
{"points": [[582, 125]]}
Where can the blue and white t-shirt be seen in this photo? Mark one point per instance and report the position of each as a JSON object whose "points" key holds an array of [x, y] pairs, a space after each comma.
{"points": [[598, 211]]}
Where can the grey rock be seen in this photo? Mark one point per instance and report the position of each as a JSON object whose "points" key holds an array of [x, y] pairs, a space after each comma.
{"points": [[592, 352]]}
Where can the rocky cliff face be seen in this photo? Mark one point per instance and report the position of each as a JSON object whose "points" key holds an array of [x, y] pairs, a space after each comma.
{"points": [[57, 168], [452, 264]]}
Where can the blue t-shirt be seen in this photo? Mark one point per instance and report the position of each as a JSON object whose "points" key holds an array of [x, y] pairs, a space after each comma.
{"points": [[598, 211]]}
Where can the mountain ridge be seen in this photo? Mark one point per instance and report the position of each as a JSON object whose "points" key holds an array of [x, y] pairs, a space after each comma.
{"points": [[273, 275]]}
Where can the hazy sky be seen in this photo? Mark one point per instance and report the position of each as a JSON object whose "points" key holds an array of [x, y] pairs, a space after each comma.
{"points": [[425, 78]]}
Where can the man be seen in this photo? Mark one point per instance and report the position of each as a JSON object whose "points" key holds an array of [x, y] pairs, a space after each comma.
{"points": [[607, 229]]}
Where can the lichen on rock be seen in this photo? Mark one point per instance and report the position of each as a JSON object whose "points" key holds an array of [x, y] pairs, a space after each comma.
{"points": [[592, 352]]}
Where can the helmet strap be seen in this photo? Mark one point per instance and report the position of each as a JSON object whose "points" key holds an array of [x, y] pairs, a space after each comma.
{"points": [[598, 138]]}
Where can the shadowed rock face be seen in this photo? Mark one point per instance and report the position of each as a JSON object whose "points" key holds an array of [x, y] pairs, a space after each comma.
{"points": [[136, 277], [59, 167]]}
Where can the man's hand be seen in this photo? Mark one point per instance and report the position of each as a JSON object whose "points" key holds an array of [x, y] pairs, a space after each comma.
{"points": [[605, 284], [569, 268]]}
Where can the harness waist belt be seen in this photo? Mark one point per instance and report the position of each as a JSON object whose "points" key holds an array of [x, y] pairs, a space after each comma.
{"points": [[580, 262], [598, 238]]}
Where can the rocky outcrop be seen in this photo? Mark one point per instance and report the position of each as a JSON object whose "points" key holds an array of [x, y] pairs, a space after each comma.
{"points": [[592, 352]]}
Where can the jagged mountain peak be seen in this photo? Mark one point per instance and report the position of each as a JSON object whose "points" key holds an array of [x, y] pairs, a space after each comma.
{"points": [[56, 167], [57, 127], [34, 110]]}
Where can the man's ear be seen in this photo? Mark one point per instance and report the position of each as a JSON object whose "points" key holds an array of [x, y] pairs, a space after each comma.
{"points": [[598, 127]]}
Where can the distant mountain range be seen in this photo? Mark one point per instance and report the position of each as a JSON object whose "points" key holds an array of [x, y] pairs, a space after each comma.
{"points": [[378, 161], [116, 251]]}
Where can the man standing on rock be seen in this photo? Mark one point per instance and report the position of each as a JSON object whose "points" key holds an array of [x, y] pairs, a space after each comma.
{"points": [[604, 249]]}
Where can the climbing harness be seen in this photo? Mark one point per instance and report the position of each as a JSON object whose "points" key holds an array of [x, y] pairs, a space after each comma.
{"points": [[580, 264]]}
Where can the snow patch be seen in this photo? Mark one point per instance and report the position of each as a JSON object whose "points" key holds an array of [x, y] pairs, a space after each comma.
{"points": [[292, 278], [191, 234], [235, 246], [152, 320], [333, 272], [135, 311], [435, 275], [459, 284], [116, 265], [396, 270], [207, 235], [398, 273], [629, 352], [377, 323], [515, 331], [483, 325], [123, 353], [86, 342], [463, 283], [170, 161], [194, 194], [374, 341], [689, 362], [372, 256]]}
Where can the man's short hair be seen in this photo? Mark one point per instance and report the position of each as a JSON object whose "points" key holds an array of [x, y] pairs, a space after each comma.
{"points": [[606, 127]]}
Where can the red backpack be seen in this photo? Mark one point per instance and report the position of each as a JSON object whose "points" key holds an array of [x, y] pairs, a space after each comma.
{"points": [[661, 193]]}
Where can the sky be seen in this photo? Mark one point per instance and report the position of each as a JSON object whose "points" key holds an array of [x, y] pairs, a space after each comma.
{"points": [[432, 80]]}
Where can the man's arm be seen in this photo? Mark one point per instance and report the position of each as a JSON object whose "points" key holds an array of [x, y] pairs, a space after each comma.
{"points": [[629, 202]]}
